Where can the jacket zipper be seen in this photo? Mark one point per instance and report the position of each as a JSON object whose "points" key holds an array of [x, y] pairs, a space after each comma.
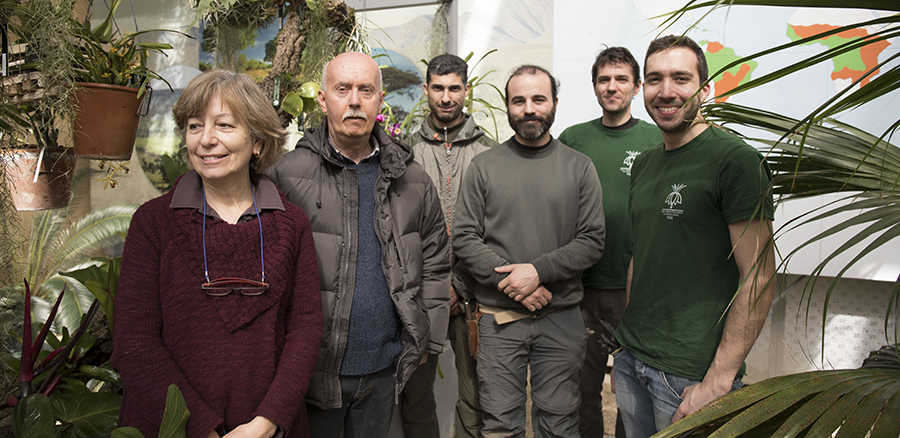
{"points": [[338, 353], [449, 173]]}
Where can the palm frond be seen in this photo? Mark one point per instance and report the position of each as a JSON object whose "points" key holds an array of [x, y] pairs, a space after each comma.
{"points": [[812, 404], [829, 157], [91, 230], [75, 303], [56, 245]]}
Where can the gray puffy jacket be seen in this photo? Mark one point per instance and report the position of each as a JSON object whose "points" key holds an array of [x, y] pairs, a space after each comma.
{"points": [[415, 252]]}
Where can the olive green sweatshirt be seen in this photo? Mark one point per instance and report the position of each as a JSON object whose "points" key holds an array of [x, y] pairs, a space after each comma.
{"points": [[529, 205]]}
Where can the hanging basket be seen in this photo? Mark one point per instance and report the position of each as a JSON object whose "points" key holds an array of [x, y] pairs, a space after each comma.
{"points": [[53, 187], [107, 120]]}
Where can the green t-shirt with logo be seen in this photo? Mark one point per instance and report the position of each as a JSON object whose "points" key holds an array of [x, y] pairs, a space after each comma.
{"points": [[613, 152], [681, 203]]}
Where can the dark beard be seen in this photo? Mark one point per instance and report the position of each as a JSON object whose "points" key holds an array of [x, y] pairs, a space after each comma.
{"points": [[532, 132], [452, 117], [691, 110]]}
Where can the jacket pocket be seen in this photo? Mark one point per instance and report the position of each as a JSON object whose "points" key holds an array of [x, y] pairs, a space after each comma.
{"points": [[409, 253]]}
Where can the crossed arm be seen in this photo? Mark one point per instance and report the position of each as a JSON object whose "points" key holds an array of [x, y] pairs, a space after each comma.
{"points": [[754, 255], [522, 281], [523, 284]]}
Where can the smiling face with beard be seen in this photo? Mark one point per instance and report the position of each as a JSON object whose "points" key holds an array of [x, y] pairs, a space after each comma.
{"points": [[446, 99], [531, 109], [532, 126], [671, 83]]}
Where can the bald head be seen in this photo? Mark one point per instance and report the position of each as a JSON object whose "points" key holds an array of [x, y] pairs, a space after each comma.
{"points": [[353, 58], [351, 98]]}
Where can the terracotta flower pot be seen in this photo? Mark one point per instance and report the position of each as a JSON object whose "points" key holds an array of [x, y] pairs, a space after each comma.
{"points": [[107, 121], [53, 187]]}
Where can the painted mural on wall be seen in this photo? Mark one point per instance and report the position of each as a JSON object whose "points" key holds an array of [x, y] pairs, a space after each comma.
{"points": [[520, 30]]}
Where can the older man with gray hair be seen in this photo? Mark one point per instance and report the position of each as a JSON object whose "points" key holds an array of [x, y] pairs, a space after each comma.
{"points": [[382, 250]]}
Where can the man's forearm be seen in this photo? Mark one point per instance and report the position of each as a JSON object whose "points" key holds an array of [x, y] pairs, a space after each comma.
{"points": [[755, 259], [628, 275], [742, 326]]}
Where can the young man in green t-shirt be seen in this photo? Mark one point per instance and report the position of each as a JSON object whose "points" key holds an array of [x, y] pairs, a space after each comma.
{"points": [[701, 217], [612, 142]]}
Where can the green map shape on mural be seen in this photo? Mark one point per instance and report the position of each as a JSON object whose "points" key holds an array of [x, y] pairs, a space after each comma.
{"points": [[718, 56], [849, 65]]}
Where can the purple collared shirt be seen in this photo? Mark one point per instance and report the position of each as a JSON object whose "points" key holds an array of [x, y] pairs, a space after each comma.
{"points": [[188, 195]]}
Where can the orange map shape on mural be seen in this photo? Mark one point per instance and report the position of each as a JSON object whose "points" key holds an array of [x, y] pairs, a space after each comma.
{"points": [[851, 65], [718, 56]]}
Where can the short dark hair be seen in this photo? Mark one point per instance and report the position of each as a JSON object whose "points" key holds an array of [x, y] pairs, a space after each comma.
{"points": [[529, 69], [616, 55], [670, 41], [446, 64]]}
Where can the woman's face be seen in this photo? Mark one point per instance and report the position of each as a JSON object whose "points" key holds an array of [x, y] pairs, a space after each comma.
{"points": [[219, 146]]}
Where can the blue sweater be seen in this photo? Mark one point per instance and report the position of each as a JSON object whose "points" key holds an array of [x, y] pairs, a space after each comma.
{"points": [[373, 340]]}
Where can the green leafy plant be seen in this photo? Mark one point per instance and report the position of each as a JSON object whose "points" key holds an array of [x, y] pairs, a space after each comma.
{"points": [[58, 394], [102, 281], [302, 100], [107, 57], [79, 411], [476, 104], [175, 165], [41, 68], [59, 243], [842, 403], [32, 126]]}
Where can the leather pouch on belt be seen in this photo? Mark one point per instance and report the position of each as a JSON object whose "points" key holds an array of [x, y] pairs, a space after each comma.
{"points": [[473, 314]]}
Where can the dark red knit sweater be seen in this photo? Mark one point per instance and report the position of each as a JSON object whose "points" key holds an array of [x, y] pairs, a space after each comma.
{"points": [[233, 357]]}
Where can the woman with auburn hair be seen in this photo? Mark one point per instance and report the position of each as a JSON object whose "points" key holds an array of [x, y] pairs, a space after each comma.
{"points": [[219, 290]]}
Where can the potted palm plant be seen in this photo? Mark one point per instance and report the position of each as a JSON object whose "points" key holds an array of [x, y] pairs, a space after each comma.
{"points": [[112, 85]]}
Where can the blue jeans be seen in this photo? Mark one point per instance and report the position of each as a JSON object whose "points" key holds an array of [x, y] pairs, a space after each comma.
{"points": [[648, 397], [367, 404]]}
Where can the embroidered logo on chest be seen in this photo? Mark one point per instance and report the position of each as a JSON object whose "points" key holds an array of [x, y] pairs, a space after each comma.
{"points": [[628, 162], [672, 200]]}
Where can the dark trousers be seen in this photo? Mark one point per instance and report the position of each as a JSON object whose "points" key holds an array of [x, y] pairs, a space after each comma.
{"points": [[606, 305], [468, 407], [417, 405], [367, 403]]}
